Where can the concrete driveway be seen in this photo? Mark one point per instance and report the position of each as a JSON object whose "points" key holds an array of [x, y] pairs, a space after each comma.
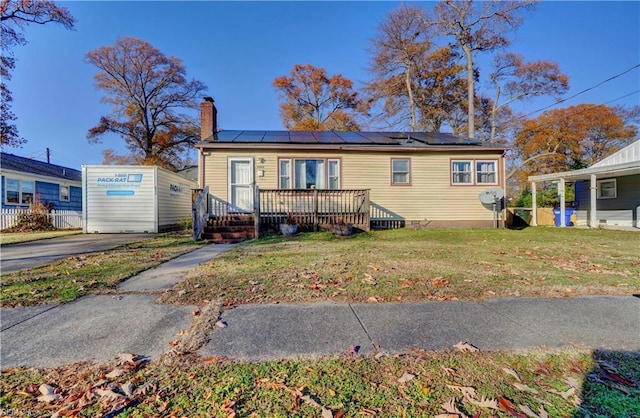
{"points": [[25, 255]]}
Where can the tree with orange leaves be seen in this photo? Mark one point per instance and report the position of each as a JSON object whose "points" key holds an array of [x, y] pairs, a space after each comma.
{"points": [[314, 101], [570, 138], [146, 89]]}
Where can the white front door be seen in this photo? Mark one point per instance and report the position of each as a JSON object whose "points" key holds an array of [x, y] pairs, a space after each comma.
{"points": [[241, 183]]}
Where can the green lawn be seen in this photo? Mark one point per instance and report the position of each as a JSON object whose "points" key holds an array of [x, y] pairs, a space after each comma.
{"points": [[383, 266], [75, 276], [425, 264], [418, 384]]}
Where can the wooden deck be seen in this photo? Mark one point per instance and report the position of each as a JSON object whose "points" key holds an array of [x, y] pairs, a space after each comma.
{"points": [[313, 209]]}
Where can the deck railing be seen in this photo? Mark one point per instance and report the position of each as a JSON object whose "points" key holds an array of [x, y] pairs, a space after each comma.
{"points": [[313, 209]]}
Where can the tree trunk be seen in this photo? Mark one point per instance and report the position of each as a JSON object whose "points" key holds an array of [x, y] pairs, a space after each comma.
{"points": [[412, 103], [494, 110], [470, 92]]}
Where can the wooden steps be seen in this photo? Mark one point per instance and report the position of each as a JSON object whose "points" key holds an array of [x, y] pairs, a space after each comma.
{"points": [[229, 229]]}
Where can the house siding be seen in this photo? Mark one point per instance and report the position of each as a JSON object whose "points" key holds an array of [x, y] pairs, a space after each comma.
{"points": [[623, 210], [429, 197], [48, 193]]}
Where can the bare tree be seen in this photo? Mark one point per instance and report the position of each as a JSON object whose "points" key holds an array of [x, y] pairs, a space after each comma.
{"points": [[15, 15], [477, 27], [146, 89], [515, 79]]}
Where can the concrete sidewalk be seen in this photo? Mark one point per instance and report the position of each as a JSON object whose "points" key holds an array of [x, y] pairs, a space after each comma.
{"points": [[97, 328], [269, 332]]}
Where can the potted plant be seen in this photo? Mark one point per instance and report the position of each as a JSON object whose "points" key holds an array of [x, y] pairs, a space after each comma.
{"points": [[342, 228], [289, 226]]}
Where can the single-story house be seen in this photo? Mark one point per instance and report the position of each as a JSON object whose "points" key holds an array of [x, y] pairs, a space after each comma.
{"points": [[418, 178], [23, 179], [607, 193]]}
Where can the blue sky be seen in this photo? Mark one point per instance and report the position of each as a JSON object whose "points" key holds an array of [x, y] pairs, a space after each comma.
{"points": [[238, 48]]}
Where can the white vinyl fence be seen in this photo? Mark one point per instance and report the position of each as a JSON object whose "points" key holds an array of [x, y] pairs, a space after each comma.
{"points": [[61, 219]]}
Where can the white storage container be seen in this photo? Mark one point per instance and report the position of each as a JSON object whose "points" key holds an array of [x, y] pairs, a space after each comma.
{"points": [[133, 199]]}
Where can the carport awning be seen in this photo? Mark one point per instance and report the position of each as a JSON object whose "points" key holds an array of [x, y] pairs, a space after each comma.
{"points": [[626, 169]]}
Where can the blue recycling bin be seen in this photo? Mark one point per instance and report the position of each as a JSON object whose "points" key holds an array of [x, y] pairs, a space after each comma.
{"points": [[567, 216]]}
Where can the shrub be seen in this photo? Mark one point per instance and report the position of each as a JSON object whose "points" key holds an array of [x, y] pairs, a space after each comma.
{"points": [[35, 218]]}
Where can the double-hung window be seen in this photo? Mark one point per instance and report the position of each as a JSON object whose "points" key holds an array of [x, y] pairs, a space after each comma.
{"points": [[400, 171], [461, 172], [309, 173], [19, 192], [64, 193], [486, 172], [474, 172]]}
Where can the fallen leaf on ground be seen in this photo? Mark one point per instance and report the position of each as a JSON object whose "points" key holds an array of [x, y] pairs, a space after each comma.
{"points": [[48, 398], [483, 402], [407, 377], [508, 406], [353, 350], [127, 388], [108, 394], [46, 389], [467, 391], [511, 372], [368, 279], [221, 324], [609, 373], [451, 408], [465, 347], [440, 282], [115, 373], [525, 388], [326, 413], [372, 299], [541, 412]]}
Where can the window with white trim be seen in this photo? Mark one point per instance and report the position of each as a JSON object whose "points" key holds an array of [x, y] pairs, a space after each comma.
{"points": [[607, 189], [461, 172], [486, 172], [400, 171], [474, 172], [19, 192], [309, 173], [285, 174], [65, 193]]}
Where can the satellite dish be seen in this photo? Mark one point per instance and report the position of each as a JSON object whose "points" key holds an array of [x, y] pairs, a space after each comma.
{"points": [[491, 196]]}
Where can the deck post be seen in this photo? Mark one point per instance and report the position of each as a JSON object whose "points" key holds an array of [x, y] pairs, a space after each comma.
{"points": [[315, 210], [534, 205], [256, 211]]}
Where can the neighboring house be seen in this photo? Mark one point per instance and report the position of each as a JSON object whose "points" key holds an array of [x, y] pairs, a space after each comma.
{"points": [[607, 193], [428, 179], [23, 179]]}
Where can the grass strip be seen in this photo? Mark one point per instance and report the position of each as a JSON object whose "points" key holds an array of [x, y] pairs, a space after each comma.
{"points": [[75, 276], [417, 384]]}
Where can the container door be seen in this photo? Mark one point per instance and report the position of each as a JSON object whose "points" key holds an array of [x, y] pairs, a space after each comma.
{"points": [[241, 184]]}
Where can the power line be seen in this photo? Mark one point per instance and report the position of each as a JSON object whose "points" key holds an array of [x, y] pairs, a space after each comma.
{"points": [[622, 97], [584, 91]]}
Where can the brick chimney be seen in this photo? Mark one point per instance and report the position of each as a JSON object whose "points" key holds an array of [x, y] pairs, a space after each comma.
{"points": [[208, 120]]}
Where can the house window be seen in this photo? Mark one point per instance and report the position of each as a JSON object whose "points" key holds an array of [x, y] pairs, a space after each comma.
{"points": [[19, 192], [486, 172], [285, 174], [461, 172], [64, 193], [400, 171], [334, 174], [301, 173], [606, 189]]}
